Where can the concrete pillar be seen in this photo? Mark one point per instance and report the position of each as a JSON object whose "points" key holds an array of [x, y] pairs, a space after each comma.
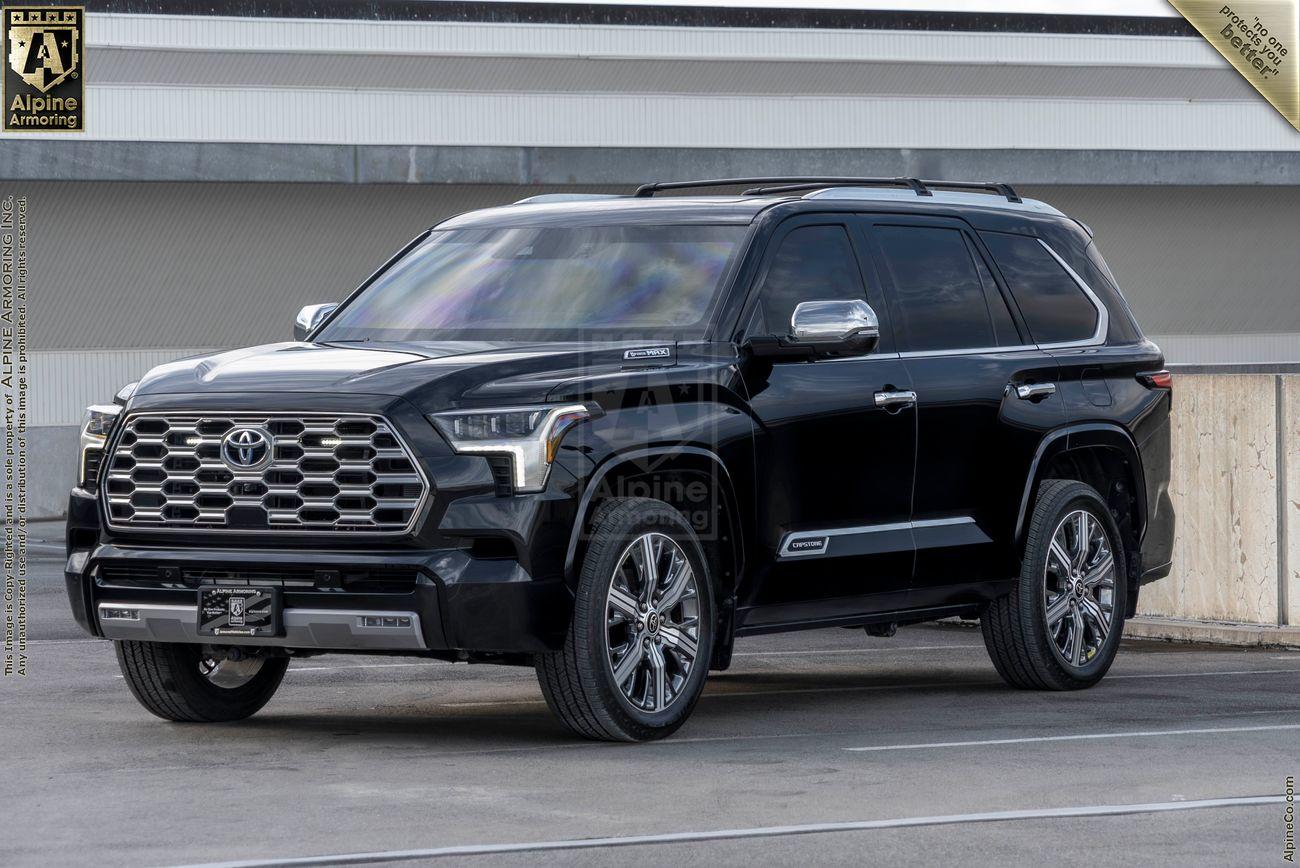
{"points": [[1224, 487]]}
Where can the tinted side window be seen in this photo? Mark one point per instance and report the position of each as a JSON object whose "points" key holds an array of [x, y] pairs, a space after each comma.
{"points": [[1003, 324], [1054, 307], [938, 297], [813, 263]]}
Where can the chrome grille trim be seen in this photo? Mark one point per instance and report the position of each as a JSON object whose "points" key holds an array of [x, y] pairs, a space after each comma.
{"points": [[166, 473]]}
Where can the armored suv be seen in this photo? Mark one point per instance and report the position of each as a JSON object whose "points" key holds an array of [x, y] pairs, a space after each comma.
{"points": [[606, 436]]}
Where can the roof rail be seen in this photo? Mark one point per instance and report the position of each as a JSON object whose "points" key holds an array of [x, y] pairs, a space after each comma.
{"points": [[648, 190], [797, 184], [544, 198], [992, 186]]}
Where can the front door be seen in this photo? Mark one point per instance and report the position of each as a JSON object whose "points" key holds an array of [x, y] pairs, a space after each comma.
{"points": [[985, 397], [833, 469]]}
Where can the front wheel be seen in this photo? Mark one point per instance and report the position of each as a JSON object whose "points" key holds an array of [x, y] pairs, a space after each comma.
{"points": [[197, 684], [637, 652], [1060, 628]]}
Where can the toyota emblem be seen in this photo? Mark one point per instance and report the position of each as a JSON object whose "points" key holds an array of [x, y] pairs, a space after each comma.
{"points": [[246, 449]]}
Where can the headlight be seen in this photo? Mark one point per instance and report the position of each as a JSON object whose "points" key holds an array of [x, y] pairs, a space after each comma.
{"points": [[99, 420], [529, 435], [98, 423]]}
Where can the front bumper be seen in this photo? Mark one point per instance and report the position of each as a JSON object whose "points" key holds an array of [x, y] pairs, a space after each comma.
{"points": [[342, 629], [444, 600], [454, 600], [478, 573]]}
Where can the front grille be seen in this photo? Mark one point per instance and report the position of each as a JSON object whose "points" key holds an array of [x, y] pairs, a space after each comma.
{"points": [[319, 473]]}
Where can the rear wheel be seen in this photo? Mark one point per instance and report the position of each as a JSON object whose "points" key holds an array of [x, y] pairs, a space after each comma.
{"points": [[1060, 628], [195, 683], [637, 652]]}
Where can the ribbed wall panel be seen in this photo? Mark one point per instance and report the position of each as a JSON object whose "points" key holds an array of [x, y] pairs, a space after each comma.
{"points": [[559, 40], [63, 384], [193, 265], [417, 72], [154, 113]]}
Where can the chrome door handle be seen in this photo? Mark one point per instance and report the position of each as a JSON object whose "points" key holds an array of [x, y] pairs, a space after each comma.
{"points": [[1032, 391], [895, 399]]}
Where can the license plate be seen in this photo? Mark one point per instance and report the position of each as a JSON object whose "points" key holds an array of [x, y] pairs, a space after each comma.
{"points": [[239, 612]]}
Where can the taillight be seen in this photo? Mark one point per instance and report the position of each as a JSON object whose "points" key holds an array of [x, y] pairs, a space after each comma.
{"points": [[1157, 380]]}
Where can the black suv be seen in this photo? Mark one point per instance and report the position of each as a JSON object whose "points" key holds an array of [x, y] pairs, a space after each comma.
{"points": [[606, 435]]}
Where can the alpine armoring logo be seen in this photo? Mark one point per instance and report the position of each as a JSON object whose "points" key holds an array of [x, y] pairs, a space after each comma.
{"points": [[44, 82]]}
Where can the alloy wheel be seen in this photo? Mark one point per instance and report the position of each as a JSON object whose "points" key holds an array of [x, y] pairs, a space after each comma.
{"points": [[1079, 582], [652, 622]]}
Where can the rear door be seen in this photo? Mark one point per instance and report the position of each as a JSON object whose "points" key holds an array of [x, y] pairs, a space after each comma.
{"points": [[1062, 314], [985, 397]]}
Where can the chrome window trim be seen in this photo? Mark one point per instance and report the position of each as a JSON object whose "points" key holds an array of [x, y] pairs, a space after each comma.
{"points": [[1103, 315], [967, 351], [417, 513], [866, 357], [1097, 338], [783, 550]]}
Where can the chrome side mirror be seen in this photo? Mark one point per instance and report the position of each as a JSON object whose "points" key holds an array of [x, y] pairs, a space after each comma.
{"points": [[309, 317], [835, 327]]}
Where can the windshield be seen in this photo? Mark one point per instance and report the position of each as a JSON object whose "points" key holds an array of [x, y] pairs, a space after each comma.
{"points": [[546, 283]]}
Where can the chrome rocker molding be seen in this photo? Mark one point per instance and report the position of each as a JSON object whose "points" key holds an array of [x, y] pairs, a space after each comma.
{"points": [[325, 629], [877, 538]]}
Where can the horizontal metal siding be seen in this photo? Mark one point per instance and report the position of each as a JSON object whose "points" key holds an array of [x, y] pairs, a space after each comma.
{"points": [[1197, 261], [426, 72], [186, 265], [563, 40], [63, 384], [1230, 349], [625, 120], [217, 264]]}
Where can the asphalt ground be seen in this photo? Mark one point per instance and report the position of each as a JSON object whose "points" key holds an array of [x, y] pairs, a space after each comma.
{"points": [[818, 748]]}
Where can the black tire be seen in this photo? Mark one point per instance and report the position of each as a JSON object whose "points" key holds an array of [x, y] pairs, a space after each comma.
{"points": [[1025, 651], [578, 681], [166, 679]]}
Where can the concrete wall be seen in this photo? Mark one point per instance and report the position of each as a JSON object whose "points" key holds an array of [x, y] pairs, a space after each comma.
{"points": [[1236, 488], [1289, 502]]}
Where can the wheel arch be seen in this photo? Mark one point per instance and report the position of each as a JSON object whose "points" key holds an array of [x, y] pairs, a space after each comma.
{"points": [[662, 473], [659, 463], [1103, 455]]}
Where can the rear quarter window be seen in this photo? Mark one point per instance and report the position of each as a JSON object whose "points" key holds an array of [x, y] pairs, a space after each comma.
{"points": [[1054, 306]]}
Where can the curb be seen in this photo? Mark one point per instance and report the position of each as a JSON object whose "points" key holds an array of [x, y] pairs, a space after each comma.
{"points": [[1213, 632]]}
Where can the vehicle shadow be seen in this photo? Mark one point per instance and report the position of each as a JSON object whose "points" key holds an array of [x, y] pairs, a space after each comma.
{"points": [[521, 720]]}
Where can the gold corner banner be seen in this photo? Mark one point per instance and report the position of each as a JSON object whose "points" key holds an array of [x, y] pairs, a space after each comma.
{"points": [[1259, 38]]}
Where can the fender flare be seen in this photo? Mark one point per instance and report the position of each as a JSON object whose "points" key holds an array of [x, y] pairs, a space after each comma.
{"points": [[619, 459], [1083, 436]]}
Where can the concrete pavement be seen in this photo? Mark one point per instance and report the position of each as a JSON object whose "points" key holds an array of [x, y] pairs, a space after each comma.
{"points": [[373, 755]]}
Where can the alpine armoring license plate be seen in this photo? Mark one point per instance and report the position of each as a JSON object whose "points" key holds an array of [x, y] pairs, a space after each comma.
{"points": [[239, 612]]}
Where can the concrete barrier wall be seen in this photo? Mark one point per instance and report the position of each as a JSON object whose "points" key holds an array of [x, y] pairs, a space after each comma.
{"points": [[1235, 484], [1289, 501]]}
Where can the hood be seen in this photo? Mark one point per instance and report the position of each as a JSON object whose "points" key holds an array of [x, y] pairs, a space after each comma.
{"points": [[434, 374]]}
